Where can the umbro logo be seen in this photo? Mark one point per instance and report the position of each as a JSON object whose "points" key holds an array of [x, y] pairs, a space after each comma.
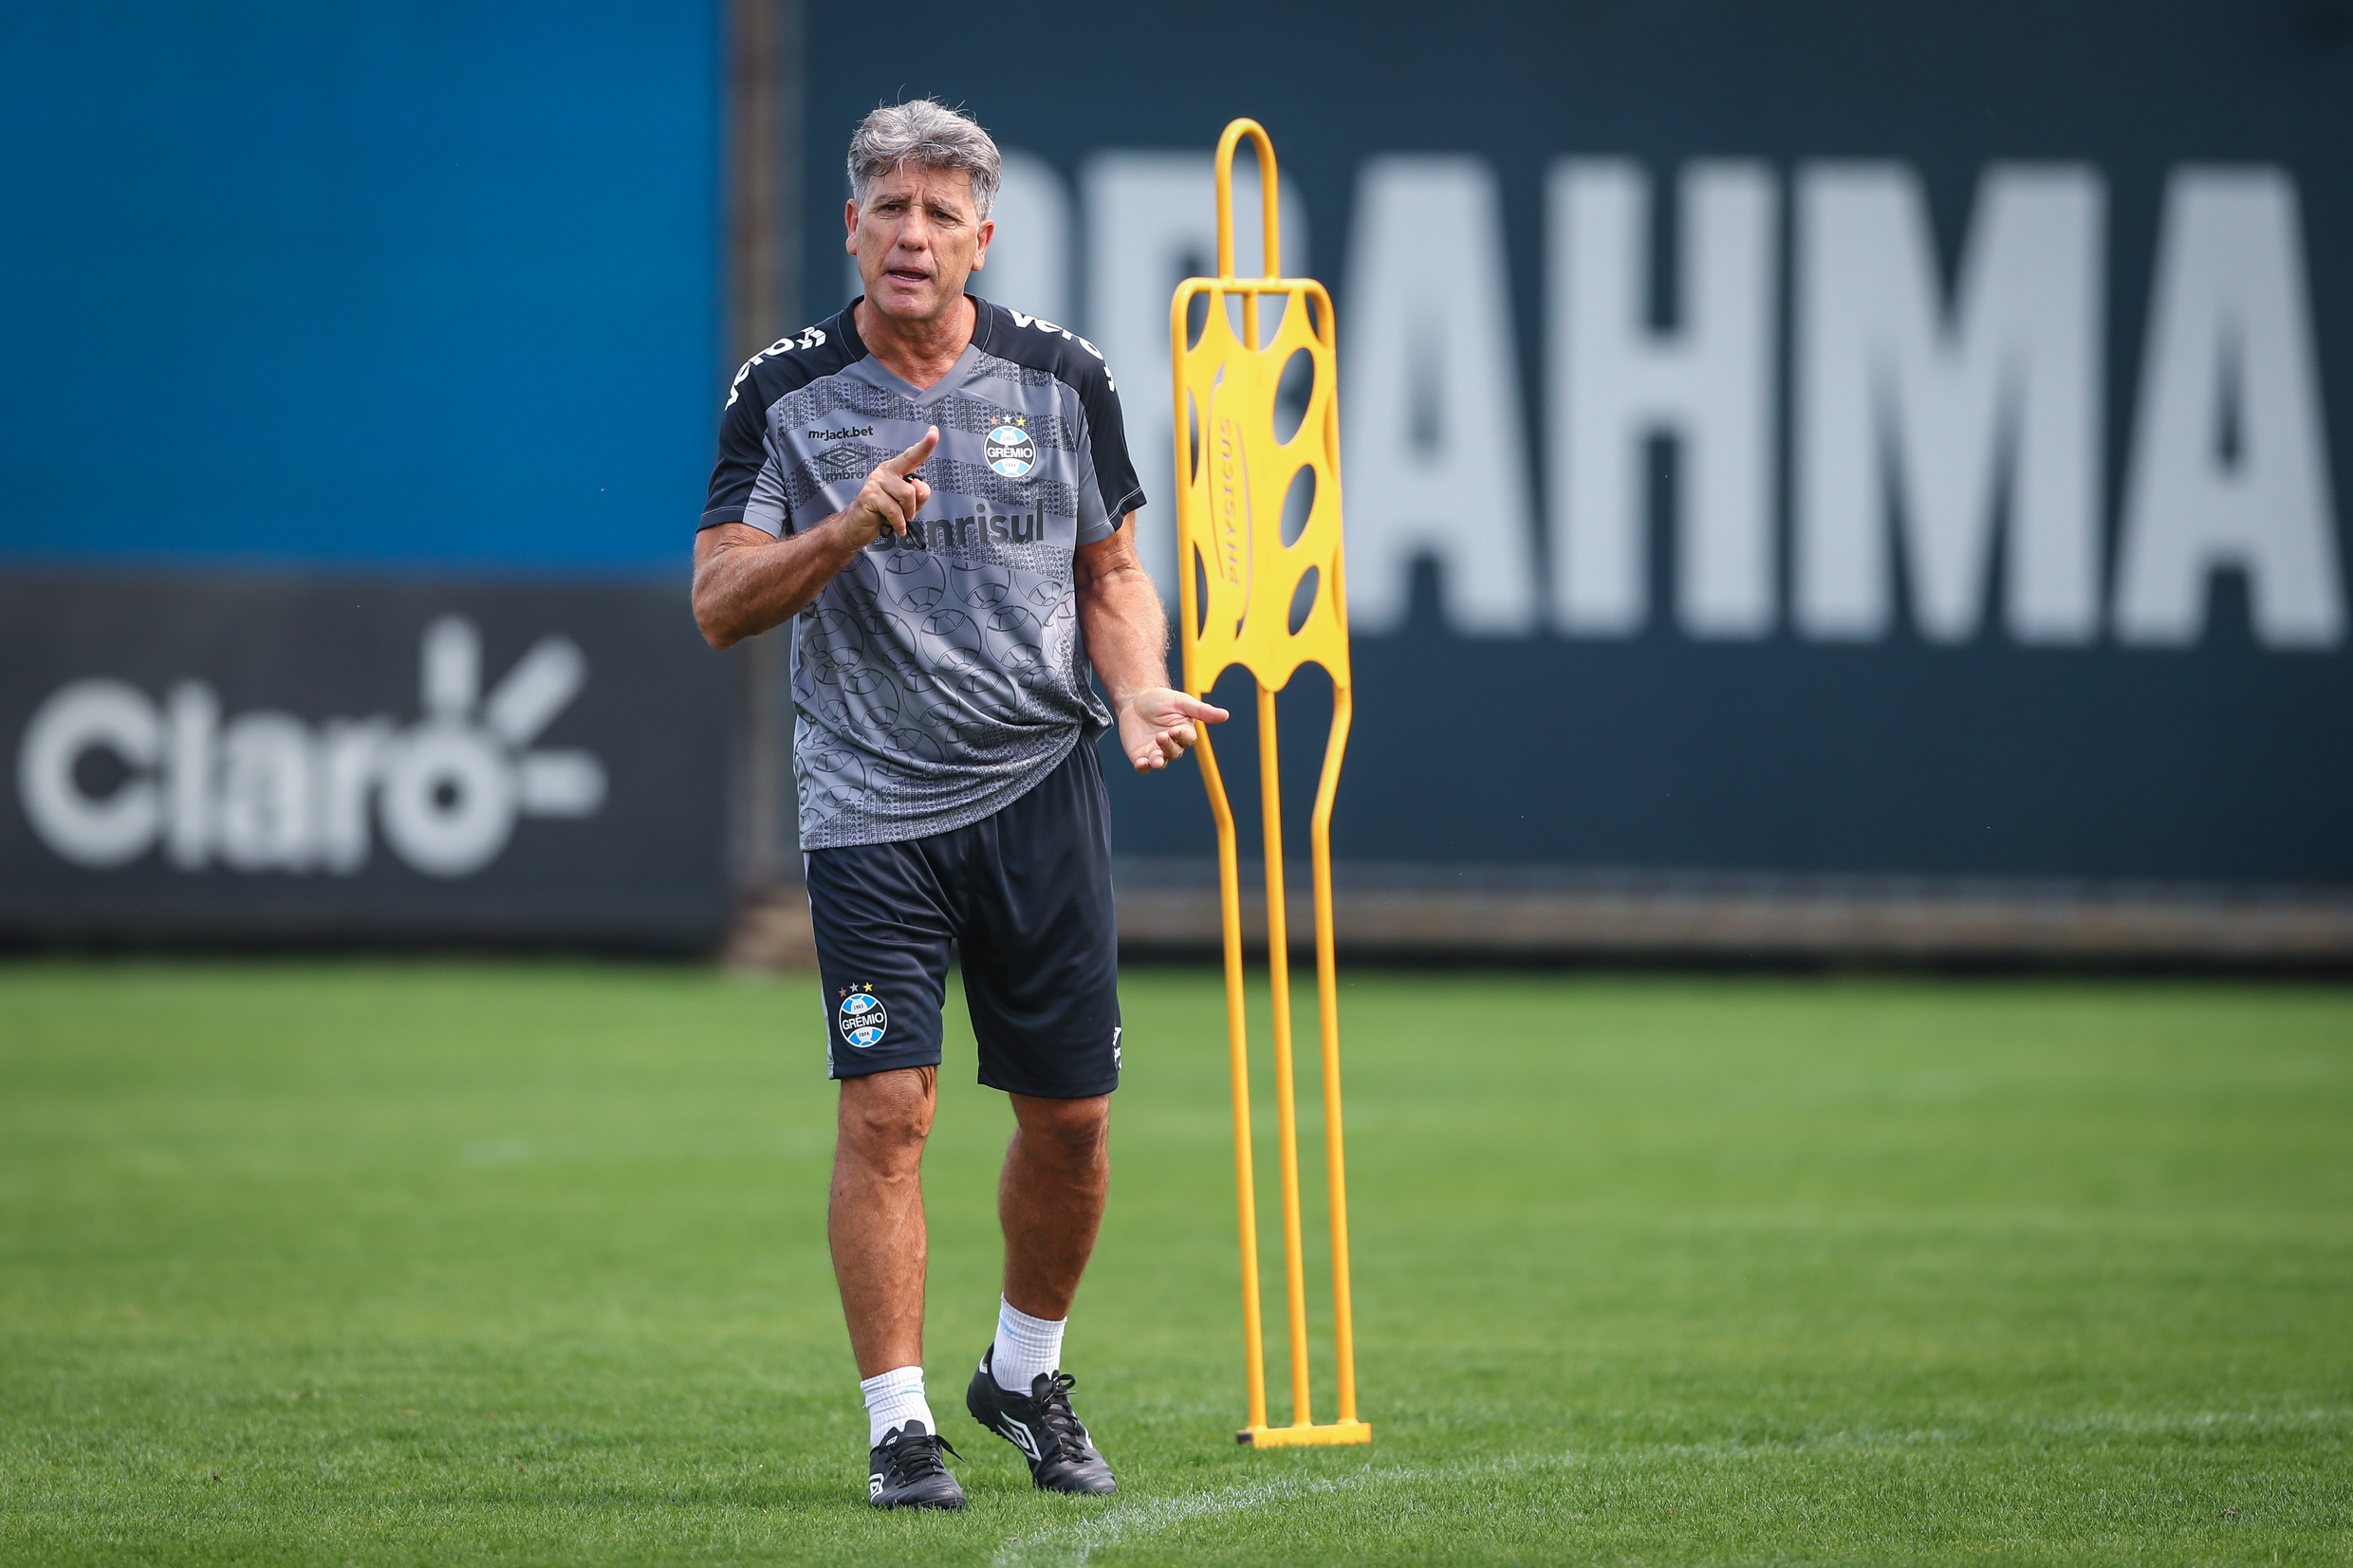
{"points": [[1021, 1437], [843, 459]]}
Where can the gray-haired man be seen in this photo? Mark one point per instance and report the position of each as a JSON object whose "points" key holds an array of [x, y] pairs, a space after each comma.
{"points": [[938, 492]]}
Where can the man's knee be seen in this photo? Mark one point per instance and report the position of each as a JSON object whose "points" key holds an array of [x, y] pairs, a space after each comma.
{"points": [[888, 1114], [1074, 1131]]}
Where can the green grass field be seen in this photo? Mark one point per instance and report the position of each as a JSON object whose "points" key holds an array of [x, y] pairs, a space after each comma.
{"points": [[435, 1264]]}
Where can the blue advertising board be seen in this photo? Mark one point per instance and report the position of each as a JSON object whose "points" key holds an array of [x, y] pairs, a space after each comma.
{"points": [[388, 284]]}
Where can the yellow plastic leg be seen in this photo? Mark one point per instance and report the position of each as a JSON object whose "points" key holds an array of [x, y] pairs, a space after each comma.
{"points": [[1327, 1009], [1237, 1053], [1286, 1105]]}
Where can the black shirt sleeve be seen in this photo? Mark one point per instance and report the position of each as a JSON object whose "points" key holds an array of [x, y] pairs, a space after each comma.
{"points": [[743, 448], [1115, 470]]}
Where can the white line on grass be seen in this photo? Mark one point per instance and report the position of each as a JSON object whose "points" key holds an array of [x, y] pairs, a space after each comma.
{"points": [[1073, 1545], [1068, 1545]]}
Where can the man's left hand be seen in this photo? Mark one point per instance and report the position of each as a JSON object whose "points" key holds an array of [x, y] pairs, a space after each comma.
{"points": [[1155, 725]]}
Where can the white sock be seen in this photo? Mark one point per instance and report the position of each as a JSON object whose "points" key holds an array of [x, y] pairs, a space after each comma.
{"points": [[1026, 1346], [893, 1399]]}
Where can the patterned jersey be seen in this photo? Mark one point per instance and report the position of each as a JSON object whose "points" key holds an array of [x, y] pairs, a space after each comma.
{"points": [[938, 676]]}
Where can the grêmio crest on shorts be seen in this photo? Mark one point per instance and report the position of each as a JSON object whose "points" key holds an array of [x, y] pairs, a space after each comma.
{"points": [[941, 675]]}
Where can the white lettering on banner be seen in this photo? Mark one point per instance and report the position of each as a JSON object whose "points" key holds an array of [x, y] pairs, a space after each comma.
{"points": [[447, 798], [194, 720], [351, 754], [2230, 461], [542, 684], [451, 674], [1152, 223], [1897, 395], [265, 806], [1613, 383], [1432, 443], [92, 715], [264, 793], [1935, 426]]}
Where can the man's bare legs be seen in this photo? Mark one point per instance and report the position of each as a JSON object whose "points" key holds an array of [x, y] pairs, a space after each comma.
{"points": [[1050, 1201], [875, 1220], [1051, 1198]]}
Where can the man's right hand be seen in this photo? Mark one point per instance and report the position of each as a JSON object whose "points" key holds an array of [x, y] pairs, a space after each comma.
{"points": [[891, 495], [747, 580]]}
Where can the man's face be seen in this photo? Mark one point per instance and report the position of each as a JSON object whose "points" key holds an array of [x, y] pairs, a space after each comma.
{"points": [[917, 238]]}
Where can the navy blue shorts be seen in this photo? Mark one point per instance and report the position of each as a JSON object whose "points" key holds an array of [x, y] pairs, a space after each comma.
{"points": [[1025, 897]]}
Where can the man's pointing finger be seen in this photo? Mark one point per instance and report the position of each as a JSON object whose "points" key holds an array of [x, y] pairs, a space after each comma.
{"points": [[911, 459]]}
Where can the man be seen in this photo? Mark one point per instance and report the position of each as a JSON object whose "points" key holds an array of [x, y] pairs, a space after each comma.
{"points": [[936, 492]]}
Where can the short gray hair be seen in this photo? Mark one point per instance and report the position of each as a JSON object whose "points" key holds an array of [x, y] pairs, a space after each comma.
{"points": [[926, 133]]}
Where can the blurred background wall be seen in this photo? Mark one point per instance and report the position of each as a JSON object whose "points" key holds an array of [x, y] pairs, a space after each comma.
{"points": [[1822, 479]]}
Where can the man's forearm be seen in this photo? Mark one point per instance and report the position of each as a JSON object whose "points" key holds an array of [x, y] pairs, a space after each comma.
{"points": [[744, 586], [1127, 631]]}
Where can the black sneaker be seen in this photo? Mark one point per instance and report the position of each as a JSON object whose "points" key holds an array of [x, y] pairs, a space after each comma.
{"points": [[1062, 1457], [904, 1471]]}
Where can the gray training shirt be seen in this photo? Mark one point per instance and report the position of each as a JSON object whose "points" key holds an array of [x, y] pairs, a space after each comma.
{"points": [[941, 676]]}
